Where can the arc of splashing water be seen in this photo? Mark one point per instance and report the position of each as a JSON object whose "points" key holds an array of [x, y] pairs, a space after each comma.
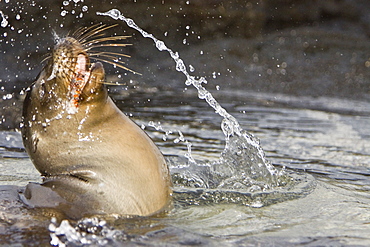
{"points": [[229, 125]]}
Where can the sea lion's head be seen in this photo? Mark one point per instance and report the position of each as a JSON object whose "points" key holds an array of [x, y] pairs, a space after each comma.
{"points": [[70, 83], [70, 65], [77, 79], [69, 75]]}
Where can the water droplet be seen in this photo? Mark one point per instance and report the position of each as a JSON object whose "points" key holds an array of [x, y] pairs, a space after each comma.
{"points": [[64, 13], [85, 8], [4, 22], [191, 68], [180, 66], [114, 13], [7, 96], [226, 128], [34, 142], [160, 45], [157, 126]]}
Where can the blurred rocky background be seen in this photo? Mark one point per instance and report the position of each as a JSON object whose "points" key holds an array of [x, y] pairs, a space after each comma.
{"points": [[303, 48]]}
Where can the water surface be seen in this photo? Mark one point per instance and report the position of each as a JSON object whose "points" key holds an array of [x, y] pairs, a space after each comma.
{"points": [[321, 142]]}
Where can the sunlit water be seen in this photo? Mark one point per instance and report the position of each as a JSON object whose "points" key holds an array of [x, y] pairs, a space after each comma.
{"points": [[326, 147], [320, 147]]}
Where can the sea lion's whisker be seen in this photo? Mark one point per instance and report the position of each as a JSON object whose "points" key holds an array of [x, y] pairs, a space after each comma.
{"points": [[83, 30], [80, 31], [106, 45], [109, 61], [113, 83], [114, 60], [94, 32], [113, 38], [83, 41], [106, 53], [121, 37], [118, 64], [117, 37], [111, 58], [46, 58]]}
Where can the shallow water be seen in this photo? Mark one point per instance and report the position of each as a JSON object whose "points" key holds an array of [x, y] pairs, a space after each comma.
{"points": [[322, 142]]}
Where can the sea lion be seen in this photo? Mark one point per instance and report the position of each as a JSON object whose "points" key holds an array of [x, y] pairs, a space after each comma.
{"points": [[93, 158]]}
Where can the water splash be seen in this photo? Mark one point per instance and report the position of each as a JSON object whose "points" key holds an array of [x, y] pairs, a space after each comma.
{"points": [[4, 21], [180, 138], [230, 125], [242, 150], [88, 231]]}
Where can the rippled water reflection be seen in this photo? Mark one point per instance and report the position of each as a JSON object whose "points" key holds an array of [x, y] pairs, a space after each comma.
{"points": [[322, 142]]}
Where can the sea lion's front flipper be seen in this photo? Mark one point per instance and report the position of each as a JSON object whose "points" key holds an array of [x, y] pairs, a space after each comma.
{"points": [[38, 195]]}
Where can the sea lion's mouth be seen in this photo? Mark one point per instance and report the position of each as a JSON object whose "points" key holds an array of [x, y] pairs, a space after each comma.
{"points": [[85, 79], [82, 75]]}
